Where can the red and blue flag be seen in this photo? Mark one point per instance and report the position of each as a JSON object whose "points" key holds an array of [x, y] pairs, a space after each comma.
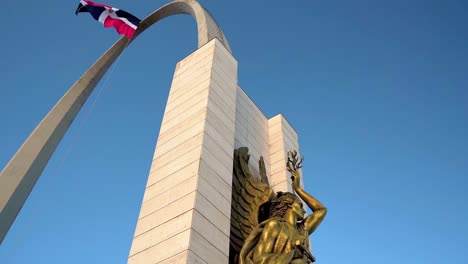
{"points": [[124, 22]]}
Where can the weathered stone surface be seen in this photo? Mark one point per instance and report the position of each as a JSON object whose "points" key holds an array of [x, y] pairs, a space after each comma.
{"points": [[188, 188]]}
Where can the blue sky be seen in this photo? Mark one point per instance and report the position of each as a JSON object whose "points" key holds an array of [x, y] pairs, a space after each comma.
{"points": [[377, 91]]}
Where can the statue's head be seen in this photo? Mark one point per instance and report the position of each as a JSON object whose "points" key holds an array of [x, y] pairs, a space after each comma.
{"points": [[285, 201]]}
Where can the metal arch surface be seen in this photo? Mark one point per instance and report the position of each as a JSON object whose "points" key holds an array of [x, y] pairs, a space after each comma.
{"points": [[21, 173]]}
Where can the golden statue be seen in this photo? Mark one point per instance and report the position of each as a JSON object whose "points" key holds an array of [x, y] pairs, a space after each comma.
{"points": [[269, 228]]}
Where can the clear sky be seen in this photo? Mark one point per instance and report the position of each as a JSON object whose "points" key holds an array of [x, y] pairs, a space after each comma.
{"points": [[377, 90]]}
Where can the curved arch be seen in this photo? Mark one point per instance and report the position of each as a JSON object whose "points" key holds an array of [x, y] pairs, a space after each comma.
{"points": [[19, 176], [207, 27]]}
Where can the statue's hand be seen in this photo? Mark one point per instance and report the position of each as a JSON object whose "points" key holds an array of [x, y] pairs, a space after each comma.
{"points": [[293, 165], [296, 179]]}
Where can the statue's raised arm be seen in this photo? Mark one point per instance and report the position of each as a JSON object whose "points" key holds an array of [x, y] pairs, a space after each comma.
{"points": [[312, 221]]}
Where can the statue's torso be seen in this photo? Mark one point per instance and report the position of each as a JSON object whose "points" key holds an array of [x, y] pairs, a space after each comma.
{"points": [[288, 239]]}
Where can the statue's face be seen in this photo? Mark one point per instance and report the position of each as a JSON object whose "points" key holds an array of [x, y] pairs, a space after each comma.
{"points": [[298, 209]]}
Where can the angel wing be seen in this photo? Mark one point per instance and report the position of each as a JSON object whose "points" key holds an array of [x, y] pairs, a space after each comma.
{"points": [[249, 193]]}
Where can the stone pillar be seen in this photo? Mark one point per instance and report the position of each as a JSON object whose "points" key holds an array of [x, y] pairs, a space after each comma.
{"points": [[185, 215], [283, 138]]}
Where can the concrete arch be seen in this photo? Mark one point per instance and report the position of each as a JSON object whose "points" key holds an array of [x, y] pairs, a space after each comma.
{"points": [[207, 27], [21, 173]]}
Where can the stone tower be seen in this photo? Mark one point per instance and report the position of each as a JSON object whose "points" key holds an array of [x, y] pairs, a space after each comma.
{"points": [[185, 213]]}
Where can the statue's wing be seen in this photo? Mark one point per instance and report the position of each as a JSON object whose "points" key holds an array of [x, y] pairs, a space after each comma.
{"points": [[248, 194]]}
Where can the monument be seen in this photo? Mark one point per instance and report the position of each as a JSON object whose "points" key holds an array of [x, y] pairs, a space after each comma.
{"points": [[190, 211]]}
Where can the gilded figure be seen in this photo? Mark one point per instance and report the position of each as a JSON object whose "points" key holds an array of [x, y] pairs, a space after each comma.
{"points": [[269, 228]]}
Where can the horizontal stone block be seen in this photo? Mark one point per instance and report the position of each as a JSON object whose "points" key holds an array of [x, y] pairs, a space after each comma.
{"points": [[181, 88], [192, 61], [177, 151], [225, 55], [276, 137], [188, 98], [205, 228], [280, 135], [194, 58], [184, 86], [225, 93], [276, 119], [206, 208], [278, 166], [242, 99], [223, 96], [190, 78], [224, 115], [258, 113], [280, 177], [206, 250], [276, 147], [223, 52], [168, 197], [288, 140], [224, 88], [224, 127], [290, 147], [223, 81], [240, 141], [228, 60], [165, 214], [259, 140], [282, 187], [182, 126], [210, 175], [222, 167], [279, 156], [277, 150], [227, 67], [157, 185], [186, 257], [182, 116], [251, 122], [241, 128], [289, 127], [209, 191], [283, 146], [177, 164], [203, 64], [222, 73], [217, 152], [191, 133], [161, 233], [214, 137], [275, 127], [163, 250], [181, 258], [277, 178]]}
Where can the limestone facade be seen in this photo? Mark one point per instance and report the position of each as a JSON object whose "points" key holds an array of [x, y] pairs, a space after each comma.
{"points": [[185, 213]]}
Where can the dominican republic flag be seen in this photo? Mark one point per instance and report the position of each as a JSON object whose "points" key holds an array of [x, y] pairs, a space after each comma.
{"points": [[125, 23]]}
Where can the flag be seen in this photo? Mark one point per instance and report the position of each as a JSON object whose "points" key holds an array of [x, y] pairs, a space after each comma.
{"points": [[124, 22]]}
